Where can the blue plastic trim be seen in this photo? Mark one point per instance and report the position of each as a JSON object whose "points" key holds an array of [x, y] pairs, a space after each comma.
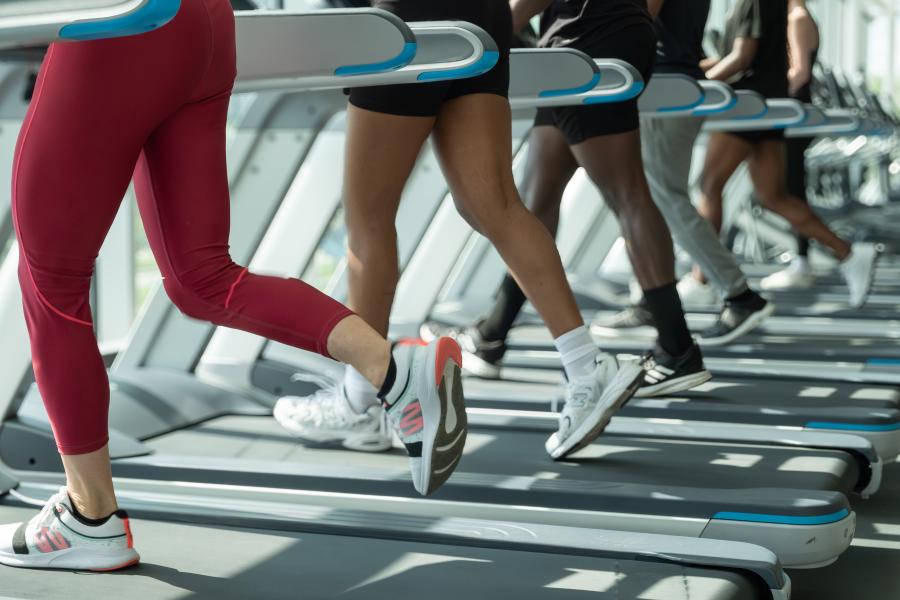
{"points": [[392, 64], [480, 67], [852, 426], [153, 15], [702, 112], [630, 94], [581, 89], [887, 362], [691, 106], [783, 519]]}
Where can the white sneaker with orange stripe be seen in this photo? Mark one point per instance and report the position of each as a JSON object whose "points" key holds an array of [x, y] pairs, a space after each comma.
{"points": [[58, 538], [426, 408]]}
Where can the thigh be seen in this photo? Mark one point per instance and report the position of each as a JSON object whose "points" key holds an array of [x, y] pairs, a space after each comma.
{"points": [[549, 166], [767, 170], [614, 164], [724, 154]]}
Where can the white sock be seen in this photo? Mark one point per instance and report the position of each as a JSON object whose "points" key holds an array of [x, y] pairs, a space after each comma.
{"points": [[578, 352], [360, 393]]}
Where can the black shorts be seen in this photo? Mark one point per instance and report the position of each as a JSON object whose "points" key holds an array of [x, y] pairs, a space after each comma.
{"points": [[426, 99], [635, 45], [755, 137]]}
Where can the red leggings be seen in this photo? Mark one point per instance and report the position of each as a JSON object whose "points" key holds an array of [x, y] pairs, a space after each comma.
{"points": [[152, 106]]}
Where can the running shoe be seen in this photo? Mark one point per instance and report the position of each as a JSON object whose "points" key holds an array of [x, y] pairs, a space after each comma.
{"points": [[737, 320], [633, 317], [427, 409], [327, 416], [591, 403], [60, 538], [480, 357], [697, 293], [796, 276], [665, 374], [859, 271]]}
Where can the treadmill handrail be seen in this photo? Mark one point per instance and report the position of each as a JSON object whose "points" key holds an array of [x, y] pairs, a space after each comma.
{"points": [[256, 71], [619, 82], [128, 17], [781, 113], [838, 123], [720, 97], [748, 105], [572, 71], [671, 95]]}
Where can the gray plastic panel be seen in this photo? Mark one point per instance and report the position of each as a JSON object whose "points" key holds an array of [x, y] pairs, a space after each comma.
{"points": [[781, 114], [750, 105], [719, 98], [540, 77], [39, 23], [671, 95]]}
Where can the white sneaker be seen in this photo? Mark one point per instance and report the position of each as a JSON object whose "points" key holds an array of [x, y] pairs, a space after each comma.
{"points": [[859, 271], [58, 539], [697, 293], [326, 416], [590, 404], [796, 276], [427, 409]]}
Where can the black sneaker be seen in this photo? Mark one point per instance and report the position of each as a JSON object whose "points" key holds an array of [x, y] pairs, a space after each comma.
{"points": [[480, 357], [633, 317], [665, 374], [737, 320]]}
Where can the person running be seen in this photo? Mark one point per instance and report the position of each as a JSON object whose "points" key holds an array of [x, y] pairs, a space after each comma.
{"points": [[470, 124], [667, 146], [605, 140], [803, 42], [755, 57], [155, 105]]}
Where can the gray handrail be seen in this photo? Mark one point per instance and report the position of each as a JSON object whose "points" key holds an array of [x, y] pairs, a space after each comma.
{"points": [[720, 97], [671, 95], [550, 77], [781, 114]]}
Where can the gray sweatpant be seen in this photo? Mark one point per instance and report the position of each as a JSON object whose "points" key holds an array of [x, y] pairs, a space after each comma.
{"points": [[667, 146]]}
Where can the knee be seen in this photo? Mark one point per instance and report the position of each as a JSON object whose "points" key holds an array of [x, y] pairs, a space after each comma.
{"points": [[492, 216], [204, 290]]}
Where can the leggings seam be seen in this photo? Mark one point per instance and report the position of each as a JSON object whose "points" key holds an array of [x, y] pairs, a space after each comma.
{"points": [[23, 255], [233, 286]]}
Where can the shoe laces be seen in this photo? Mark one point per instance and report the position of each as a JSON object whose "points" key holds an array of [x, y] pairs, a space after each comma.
{"points": [[327, 405]]}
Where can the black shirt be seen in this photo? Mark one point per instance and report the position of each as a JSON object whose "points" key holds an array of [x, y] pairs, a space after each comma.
{"points": [[567, 22], [766, 22], [680, 27]]}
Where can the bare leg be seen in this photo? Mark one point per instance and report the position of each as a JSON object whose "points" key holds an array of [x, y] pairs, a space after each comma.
{"points": [[550, 166], [386, 146], [767, 169], [614, 164], [472, 141], [90, 484]]}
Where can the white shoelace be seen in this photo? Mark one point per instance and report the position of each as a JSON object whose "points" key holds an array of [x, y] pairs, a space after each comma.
{"points": [[325, 407]]}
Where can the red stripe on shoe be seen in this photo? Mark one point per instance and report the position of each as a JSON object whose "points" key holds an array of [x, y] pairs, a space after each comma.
{"points": [[447, 350]]}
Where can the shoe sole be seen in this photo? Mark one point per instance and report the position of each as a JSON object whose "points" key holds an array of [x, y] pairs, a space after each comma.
{"points": [[356, 442], [752, 322], [474, 365], [73, 559], [682, 384], [442, 449], [622, 388]]}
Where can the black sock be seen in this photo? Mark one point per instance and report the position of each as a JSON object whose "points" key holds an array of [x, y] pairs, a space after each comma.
{"points": [[748, 299], [84, 520], [389, 379], [668, 314], [510, 300], [802, 246]]}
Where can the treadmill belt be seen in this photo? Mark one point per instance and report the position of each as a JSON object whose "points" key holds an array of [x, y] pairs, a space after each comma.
{"points": [[187, 561], [518, 453]]}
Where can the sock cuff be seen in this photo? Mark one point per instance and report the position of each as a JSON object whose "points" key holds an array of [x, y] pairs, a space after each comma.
{"points": [[357, 382], [575, 339], [389, 379]]}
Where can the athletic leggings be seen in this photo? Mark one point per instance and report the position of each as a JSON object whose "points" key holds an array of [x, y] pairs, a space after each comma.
{"points": [[154, 106]]}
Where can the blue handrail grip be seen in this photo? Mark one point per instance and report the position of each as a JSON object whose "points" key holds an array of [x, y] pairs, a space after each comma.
{"points": [[480, 67], [783, 519], [406, 56], [633, 92], [852, 426], [702, 112], [690, 106], [581, 89], [153, 15], [884, 362]]}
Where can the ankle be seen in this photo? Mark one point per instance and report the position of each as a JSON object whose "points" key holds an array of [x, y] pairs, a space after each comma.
{"points": [[93, 505]]}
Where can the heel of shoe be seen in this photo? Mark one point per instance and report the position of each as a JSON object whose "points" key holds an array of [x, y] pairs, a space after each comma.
{"points": [[446, 350]]}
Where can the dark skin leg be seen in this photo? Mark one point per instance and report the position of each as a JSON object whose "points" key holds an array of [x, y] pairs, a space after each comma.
{"points": [[550, 165]]}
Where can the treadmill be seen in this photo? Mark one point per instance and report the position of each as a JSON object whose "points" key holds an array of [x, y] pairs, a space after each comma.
{"points": [[237, 514]]}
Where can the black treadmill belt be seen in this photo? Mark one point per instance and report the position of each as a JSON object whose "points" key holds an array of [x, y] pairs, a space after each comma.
{"points": [[185, 561], [513, 453]]}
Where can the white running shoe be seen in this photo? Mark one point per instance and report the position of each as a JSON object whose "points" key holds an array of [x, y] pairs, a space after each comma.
{"points": [[427, 410], [859, 271], [697, 293], [796, 276], [326, 416], [59, 538], [591, 403]]}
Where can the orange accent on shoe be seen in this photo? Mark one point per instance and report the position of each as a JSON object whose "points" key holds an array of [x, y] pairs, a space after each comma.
{"points": [[130, 563], [411, 342], [57, 539], [128, 536], [447, 349]]}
